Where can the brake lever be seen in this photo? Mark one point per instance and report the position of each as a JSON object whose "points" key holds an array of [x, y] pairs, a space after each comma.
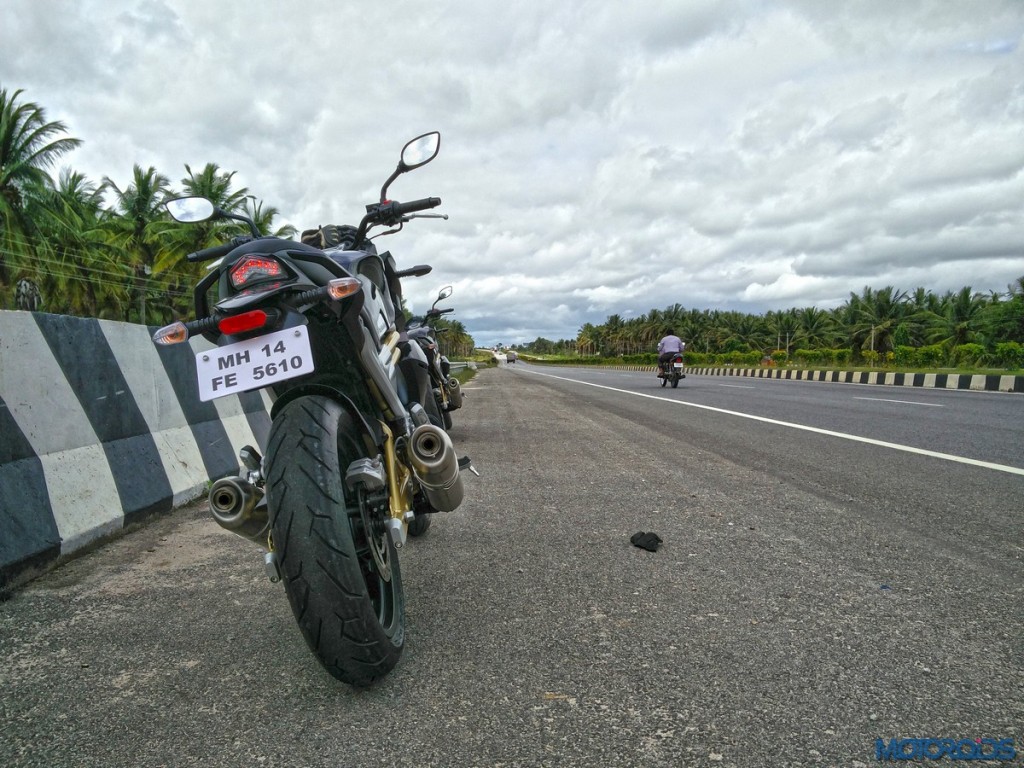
{"points": [[409, 217]]}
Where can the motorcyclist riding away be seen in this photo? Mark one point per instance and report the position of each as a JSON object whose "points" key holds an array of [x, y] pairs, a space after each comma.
{"points": [[669, 346]]}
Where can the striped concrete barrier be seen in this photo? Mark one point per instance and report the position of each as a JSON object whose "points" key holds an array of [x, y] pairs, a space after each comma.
{"points": [[978, 382], [100, 429]]}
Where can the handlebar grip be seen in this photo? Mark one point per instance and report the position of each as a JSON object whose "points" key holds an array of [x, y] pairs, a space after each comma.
{"points": [[418, 271], [401, 209], [213, 252]]}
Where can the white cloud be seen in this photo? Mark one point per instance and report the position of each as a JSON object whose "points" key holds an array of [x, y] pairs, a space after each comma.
{"points": [[595, 160]]}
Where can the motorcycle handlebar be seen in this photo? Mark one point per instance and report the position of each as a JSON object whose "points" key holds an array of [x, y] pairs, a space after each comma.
{"points": [[217, 251], [402, 209]]}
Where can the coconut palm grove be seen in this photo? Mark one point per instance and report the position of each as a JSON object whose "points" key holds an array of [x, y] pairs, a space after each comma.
{"points": [[75, 246], [72, 245]]}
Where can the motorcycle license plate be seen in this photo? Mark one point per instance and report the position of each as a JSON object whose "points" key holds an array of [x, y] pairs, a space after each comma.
{"points": [[677, 365], [254, 363]]}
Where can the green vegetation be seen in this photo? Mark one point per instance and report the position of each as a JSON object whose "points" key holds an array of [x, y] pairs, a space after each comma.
{"points": [[83, 256], [883, 328], [122, 259]]}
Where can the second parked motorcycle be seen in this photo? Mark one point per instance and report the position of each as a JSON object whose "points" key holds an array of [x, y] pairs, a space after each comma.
{"points": [[447, 389]]}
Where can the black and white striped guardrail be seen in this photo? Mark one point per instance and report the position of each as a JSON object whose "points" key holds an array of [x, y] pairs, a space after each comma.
{"points": [[976, 381], [100, 429]]}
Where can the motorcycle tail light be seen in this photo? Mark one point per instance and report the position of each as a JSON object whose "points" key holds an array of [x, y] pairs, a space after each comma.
{"points": [[251, 269], [247, 321]]}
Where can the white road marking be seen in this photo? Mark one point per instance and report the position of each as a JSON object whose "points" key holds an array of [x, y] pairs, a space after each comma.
{"points": [[816, 430], [736, 386], [903, 402]]}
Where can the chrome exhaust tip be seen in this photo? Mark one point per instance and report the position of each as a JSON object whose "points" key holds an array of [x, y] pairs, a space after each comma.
{"points": [[234, 504], [432, 457], [454, 394]]}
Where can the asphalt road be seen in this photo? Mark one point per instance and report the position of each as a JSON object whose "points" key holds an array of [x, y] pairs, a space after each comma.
{"points": [[813, 594], [983, 426]]}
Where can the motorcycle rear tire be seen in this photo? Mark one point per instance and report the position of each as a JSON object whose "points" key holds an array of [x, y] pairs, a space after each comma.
{"points": [[675, 380], [351, 616]]}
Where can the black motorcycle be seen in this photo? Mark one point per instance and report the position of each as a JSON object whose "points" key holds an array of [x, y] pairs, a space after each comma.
{"points": [[354, 455], [672, 370], [447, 389]]}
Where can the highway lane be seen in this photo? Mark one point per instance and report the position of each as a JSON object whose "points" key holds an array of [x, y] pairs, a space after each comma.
{"points": [[812, 595], [984, 426]]}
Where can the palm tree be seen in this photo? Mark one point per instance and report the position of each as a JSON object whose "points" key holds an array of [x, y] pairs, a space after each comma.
{"points": [[613, 335], [815, 328], [452, 338], [29, 145], [739, 332], [693, 328], [876, 315], [264, 217], [589, 339], [960, 320], [215, 186], [81, 272], [138, 225], [785, 325]]}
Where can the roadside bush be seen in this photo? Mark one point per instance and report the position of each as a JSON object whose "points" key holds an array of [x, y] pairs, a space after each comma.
{"points": [[931, 356], [842, 356], [807, 357], [905, 356], [968, 355], [1010, 355]]}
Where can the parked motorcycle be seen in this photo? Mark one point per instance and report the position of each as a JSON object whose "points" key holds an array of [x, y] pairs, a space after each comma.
{"points": [[352, 457], [672, 371], [447, 389]]}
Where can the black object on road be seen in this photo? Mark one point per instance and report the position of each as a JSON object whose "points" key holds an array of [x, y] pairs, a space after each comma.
{"points": [[648, 541]]}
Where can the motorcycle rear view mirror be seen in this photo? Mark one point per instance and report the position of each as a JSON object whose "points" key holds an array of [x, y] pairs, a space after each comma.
{"points": [[416, 152], [189, 210], [420, 151], [443, 294]]}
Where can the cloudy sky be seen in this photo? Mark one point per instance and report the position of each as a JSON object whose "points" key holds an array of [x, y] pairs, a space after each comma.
{"points": [[597, 158]]}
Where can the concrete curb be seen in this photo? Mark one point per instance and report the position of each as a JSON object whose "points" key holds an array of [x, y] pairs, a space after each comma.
{"points": [[99, 429], [976, 382]]}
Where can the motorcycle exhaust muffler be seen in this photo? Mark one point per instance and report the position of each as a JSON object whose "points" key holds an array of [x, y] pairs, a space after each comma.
{"points": [[454, 394], [432, 457], [234, 504]]}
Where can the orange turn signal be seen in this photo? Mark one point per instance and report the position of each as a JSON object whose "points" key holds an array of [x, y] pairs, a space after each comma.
{"points": [[340, 287], [176, 333]]}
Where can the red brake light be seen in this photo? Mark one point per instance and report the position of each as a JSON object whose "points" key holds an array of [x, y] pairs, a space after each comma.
{"points": [[247, 321], [252, 268]]}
